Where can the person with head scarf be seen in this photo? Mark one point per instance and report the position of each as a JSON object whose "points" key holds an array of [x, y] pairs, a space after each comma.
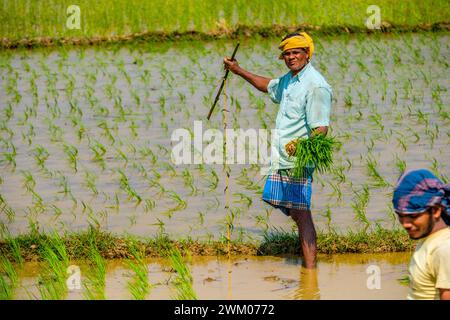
{"points": [[421, 202], [305, 99]]}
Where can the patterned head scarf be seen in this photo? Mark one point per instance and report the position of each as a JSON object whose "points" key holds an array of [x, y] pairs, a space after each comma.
{"points": [[302, 40], [417, 190]]}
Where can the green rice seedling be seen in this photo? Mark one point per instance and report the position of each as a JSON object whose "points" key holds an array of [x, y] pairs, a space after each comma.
{"points": [[435, 169], [183, 281], [359, 205], [201, 217], [86, 208], [189, 181], [27, 136], [337, 192], [169, 168], [316, 151], [432, 134], [379, 181], [7, 210], [140, 169], [377, 120], [8, 279], [139, 285], [9, 112], [392, 216], [156, 184], [146, 152], [243, 198], [161, 233], [10, 133], [400, 164], [94, 285], [57, 212], [132, 219], [90, 181], [163, 150], [99, 151], [75, 112], [180, 203], [149, 205], [29, 182], [148, 120], [121, 155], [41, 155], [52, 281], [72, 153], [232, 215], [263, 220], [106, 131], [133, 128], [327, 215], [125, 185], [14, 249], [131, 148], [10, 157], [404, 280], [64, 184], [213, 181], [56, 132], [401, 141]]}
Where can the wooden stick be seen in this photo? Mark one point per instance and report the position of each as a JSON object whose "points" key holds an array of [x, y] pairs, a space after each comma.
{"points": [[223, 82]]}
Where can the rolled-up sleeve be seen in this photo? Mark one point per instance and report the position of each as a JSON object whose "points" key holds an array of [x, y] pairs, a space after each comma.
{"points": [[318, 108], [274, 90]]}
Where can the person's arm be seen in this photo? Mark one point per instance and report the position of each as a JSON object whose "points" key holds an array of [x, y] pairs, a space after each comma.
{"points": [[258, 82], [444, 294], [319, 130]]}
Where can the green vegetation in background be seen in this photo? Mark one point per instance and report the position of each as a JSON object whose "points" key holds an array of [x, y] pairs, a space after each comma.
{"points": [[31, 19]]}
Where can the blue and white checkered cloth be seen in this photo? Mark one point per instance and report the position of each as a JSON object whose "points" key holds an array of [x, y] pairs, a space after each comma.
{"points": [[284, 192]]}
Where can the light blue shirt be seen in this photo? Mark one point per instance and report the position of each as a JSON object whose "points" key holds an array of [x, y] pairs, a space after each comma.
{"points": [[305, 103]]}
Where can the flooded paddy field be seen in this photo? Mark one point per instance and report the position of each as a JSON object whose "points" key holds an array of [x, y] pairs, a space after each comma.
{"points": [[239, 278], [86, 134]]}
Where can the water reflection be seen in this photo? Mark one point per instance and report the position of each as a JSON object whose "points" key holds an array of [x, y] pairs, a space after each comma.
{"points": [[308, 288]]}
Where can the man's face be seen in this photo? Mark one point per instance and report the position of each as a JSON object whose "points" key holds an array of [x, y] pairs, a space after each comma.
{"points": [[417, 225], [295, 59]]}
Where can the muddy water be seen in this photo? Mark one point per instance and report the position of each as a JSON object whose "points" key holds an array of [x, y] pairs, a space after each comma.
{"points": [[337, 277], [142, 94]]}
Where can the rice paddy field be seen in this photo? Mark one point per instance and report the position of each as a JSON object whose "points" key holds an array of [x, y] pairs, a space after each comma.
{"points": [[87, 175]]}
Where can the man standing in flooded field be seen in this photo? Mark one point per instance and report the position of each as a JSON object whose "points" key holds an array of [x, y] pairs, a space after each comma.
{"points": [[305, 102], [421, 202]]}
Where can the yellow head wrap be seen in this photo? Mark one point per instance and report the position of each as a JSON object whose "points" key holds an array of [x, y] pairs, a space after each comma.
{"points": [[301, 41]]}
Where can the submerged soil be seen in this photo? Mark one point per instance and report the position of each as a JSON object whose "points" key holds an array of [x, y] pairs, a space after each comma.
{"points": [[345, 276]]}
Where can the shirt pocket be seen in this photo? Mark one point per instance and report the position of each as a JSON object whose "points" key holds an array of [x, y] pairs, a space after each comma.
{"points": [[294, 107]]}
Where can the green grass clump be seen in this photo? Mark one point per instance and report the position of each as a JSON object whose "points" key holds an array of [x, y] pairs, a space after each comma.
{"points": [[183, 281], [316, 151], [374, 241], [139, 285]]}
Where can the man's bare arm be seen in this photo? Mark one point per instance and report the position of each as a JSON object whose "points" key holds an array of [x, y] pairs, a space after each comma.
{"points": [[258, 82], [444, 294]]}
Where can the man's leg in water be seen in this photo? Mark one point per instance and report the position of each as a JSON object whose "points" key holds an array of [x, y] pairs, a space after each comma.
{"points": [[307, 236]]}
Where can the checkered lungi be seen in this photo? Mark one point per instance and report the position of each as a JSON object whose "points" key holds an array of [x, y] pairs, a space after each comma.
{"points": [[284, 192]]}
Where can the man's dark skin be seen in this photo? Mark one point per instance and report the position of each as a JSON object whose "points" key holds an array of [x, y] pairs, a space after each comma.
{"points": [[421, 225], [295, 59]]}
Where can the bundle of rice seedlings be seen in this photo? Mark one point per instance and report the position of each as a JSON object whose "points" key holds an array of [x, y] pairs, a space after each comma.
{"points": [[316, 151]]}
